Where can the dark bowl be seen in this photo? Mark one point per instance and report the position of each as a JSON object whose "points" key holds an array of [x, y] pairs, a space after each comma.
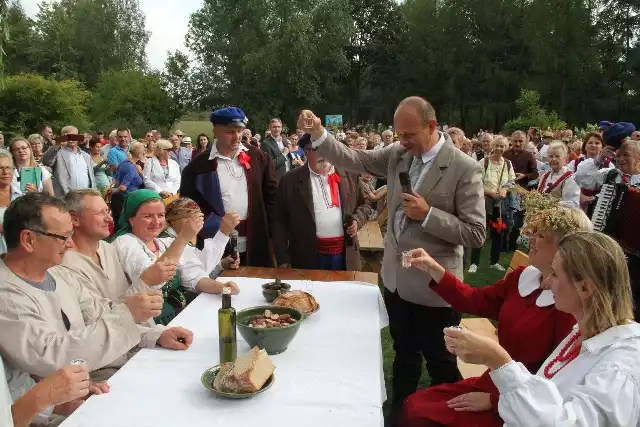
{"points": [[273, 340], [271, 294]]}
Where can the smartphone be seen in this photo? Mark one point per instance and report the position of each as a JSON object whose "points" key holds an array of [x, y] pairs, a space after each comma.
{"points": [[30, 176]]}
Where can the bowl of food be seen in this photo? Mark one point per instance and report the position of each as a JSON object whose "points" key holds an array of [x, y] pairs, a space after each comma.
{"points": [[273, 290], [300, 300], [250, 374], [269, 327]]}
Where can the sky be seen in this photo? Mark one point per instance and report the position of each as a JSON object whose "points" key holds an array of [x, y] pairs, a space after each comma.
{"points": [[167, 21]]}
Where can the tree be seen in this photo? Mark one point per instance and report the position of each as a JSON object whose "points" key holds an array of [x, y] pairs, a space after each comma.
{"points": [[533, 115], [132, 99], [271, 58], [82, 38], [19, 46], [28, 100], [177, 81]]}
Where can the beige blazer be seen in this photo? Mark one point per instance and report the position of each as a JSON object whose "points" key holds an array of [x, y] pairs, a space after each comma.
{"points": [[454, 190], [35, 338]]}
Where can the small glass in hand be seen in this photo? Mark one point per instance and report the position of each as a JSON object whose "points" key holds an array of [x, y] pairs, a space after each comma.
{"points": [[406, 259]]}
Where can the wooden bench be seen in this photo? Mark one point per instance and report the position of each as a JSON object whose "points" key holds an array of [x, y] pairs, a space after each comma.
{"points": [[372, 244], [484, 326]]}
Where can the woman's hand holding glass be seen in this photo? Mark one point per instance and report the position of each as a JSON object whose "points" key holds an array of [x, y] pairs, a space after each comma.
{"points": [[474, 348], [192, 227]]}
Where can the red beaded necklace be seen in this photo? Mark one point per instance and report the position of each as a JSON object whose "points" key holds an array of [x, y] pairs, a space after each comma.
{"points": [[566, 356]]}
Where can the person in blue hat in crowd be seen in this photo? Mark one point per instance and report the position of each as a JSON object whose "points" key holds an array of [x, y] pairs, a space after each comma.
{"points": [[231, 176], [616, 211]]}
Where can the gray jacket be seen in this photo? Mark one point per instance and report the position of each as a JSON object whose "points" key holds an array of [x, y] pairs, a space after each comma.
{"points": [[60, 162], [454, 190]]}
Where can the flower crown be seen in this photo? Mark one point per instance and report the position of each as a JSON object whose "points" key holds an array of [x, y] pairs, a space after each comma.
{"points": [[544, 212]]}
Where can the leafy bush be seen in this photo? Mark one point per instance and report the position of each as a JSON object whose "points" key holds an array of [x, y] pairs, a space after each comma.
{"points": [[533, 115], [29, 100]]}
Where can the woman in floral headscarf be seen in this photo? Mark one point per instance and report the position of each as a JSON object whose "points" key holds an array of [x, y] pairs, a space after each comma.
{"points": [[139, 246], [529, 325]]}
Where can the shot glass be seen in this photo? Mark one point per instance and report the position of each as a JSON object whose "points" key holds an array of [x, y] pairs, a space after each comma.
{"points": [[406, 259], [78, 362], [310, 286]]}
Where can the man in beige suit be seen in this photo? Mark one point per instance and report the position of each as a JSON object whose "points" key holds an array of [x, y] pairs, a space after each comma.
{"points": [[444, 213]]}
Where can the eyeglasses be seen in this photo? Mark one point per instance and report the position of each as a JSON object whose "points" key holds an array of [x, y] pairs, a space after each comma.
{"points": [[64, 239], [6, 169]]}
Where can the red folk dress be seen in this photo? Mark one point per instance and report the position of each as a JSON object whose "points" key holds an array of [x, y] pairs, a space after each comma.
{"points": [[529, 328]]}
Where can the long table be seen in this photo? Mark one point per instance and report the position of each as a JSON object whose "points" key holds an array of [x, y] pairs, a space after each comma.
{"points": [[331, 374]]}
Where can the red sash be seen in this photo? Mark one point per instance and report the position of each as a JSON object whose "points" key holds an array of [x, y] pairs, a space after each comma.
{"points": [[330, 245], [552, 187]]}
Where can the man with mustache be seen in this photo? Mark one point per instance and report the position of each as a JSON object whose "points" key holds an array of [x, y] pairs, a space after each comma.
{"points": [[317, 216]]}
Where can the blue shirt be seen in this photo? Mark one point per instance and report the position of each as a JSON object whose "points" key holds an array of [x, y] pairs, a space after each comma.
{"points": [[182, 156], [116, 156], [126, 174]]}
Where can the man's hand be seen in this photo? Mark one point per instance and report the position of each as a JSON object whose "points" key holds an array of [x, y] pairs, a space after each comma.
{"points": [[192, 227], [352, 229], [415, 206], [473, 402], [230, 263], [176, 338], [229, 222], [519, 176], [145, 305], [159, 272], [63, 386], [235, 289], [285, 150], [99, 388], [607, 152], [309, 123]]}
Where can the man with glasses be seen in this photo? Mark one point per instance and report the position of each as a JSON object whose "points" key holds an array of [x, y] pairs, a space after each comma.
{"points": [[182, 155], [48, 317]]}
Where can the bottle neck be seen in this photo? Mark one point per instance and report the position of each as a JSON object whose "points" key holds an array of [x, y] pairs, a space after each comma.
{"points": [[226, 301]]}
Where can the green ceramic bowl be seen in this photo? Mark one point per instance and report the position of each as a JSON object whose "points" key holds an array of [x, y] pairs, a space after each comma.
{"points": [[273, 340], [209, 376]]}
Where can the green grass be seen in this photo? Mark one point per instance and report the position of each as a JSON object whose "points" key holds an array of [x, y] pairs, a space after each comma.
{"points": [[194, 128], [483, 277]]}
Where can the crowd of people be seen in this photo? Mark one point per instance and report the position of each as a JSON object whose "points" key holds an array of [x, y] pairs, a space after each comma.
{"points": [[106, 241]]}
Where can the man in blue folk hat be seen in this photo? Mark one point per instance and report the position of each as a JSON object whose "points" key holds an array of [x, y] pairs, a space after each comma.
{"points": [[234, 177]]}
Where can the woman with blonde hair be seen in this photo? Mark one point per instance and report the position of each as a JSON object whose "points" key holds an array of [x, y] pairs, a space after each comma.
{"points": [[529, 325], [37, 147], [593, 376], [457, 136], [559, 182], [23, 158], [161, 172]]}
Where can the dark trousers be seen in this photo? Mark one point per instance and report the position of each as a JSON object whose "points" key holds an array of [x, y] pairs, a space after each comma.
{"points": [[416, 331], [496, 240], [117, 202], [518, 222], [335, 262]]}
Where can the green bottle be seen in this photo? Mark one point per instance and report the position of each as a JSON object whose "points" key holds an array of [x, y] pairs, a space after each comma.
{"points": [[227, 328]]}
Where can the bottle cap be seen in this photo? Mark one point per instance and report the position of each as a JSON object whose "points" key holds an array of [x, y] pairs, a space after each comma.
{"points": [[226, 290]]}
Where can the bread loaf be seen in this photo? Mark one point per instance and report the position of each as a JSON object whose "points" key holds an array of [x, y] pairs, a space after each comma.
{"points": [[247, 374], [299, 300]]}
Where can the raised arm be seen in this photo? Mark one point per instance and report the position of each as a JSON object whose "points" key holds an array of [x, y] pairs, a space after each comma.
{"points": [[374, 162], [589, 175]]}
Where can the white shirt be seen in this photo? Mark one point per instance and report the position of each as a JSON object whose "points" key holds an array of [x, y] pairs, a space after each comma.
{"points": [[572, 165], [211, 254], [328, 218], [154, 176], [136, 257], [6, 419], [233, 187], [79, 170], [599, 388], [588, 176], [570, 190], [46, 176], [542, 153]]}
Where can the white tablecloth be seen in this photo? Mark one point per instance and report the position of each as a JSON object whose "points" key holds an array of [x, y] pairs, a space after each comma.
{"points": [[330, 376]]}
